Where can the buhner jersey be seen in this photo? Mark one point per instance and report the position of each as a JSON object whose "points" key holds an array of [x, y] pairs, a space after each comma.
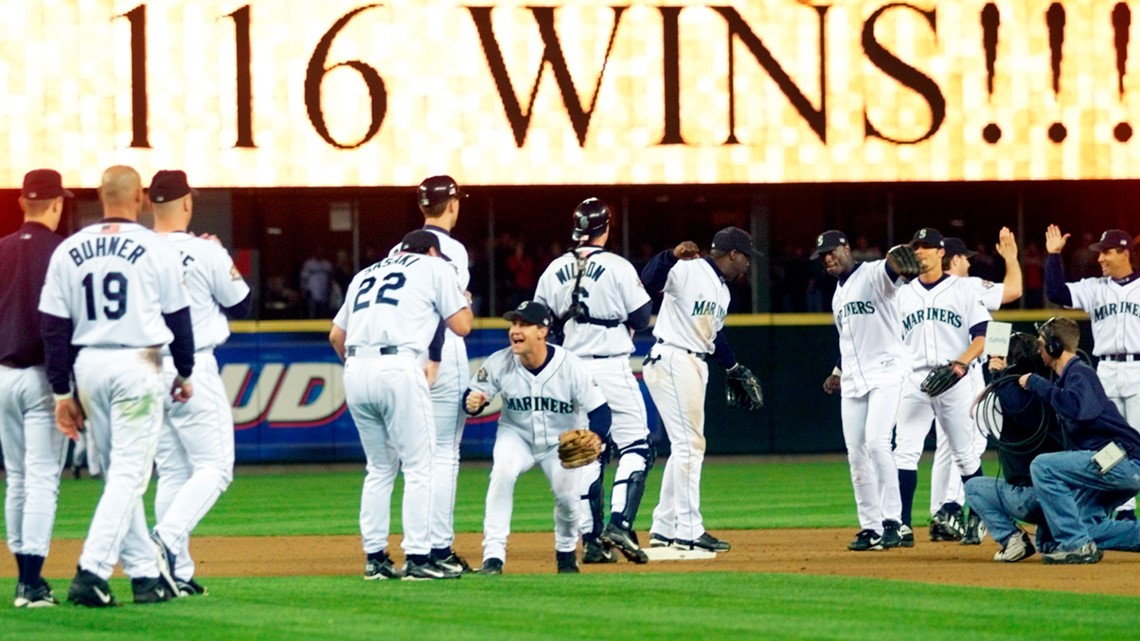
{"points": [[1114, 311], [115, 280], [213, 282], [398, 302], [695, 304], [539, 407], [936, 321], [866, 314], [609, 289]]}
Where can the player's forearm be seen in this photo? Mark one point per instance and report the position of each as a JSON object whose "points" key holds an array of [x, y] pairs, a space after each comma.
{"points": [[976, 347], [435, 348], [241, 309], [58, 353], [723, 353], [182, 347], [1012, 285], [639, 318], [1055, 287], [600, 420], [657, 271]]}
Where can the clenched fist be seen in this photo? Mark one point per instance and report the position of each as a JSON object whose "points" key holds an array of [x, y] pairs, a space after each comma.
{"points": [[686, 250], [475, 402]]}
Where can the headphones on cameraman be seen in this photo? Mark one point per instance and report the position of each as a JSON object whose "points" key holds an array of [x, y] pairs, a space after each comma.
{"points": [[1054, 346]]}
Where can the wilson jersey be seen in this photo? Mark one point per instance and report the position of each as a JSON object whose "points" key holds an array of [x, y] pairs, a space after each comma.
{"points": [[115, 280], [398, 302], [609, 289], [695, 304], [213, 282], [540, 407], [454, 250], [865, 308], [936, 322], [1114, 312]]}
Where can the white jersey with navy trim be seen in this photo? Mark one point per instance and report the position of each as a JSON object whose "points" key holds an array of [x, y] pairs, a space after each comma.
{"points": [[115, 280], [865, 308], [609, 289], [213, 282], [539, 407], [415, 292], [936, 322], [454, 250], [695, 304], [1114, 312]]}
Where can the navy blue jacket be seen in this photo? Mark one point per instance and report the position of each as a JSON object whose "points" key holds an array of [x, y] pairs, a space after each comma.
{"points": [[1088, 418]]}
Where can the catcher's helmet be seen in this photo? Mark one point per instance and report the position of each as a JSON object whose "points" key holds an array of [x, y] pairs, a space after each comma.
{"points": [[591, 218]]}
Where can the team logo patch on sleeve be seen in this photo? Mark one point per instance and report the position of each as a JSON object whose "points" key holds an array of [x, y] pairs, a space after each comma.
{"points": [[235, 275], [481, 375]]}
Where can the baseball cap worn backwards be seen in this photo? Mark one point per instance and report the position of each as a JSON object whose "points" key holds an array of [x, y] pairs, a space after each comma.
{"points": [[43, 184], [735, 238], [531, 313], [829, 241], [1113, 239], [437, 189], [928, 236], [957, 247], [169, 185]]}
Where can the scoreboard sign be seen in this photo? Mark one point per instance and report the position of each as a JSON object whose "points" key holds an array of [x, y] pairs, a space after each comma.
{"points": [[269, 93]]}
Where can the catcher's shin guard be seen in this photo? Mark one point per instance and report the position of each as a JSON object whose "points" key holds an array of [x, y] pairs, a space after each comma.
{"points": [[593, 497], [635, 483]]}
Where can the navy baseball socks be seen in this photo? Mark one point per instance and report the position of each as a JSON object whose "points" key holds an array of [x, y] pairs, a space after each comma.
{"points": [[908, 481]]}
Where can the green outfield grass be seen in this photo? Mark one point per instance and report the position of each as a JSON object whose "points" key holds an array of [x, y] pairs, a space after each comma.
{"points": [[622, 607]]}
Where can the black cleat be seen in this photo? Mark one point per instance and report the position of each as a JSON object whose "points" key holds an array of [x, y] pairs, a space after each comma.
{"points": [[598, 551], [567, 562], [492, 567], [625, 542], [150, 589], [87, 589], [705, 542]]}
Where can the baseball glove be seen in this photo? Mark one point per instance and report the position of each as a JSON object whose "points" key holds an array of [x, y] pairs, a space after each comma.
{"points": [[903, 261], [943, 377], [578, 447], [742, 389]]}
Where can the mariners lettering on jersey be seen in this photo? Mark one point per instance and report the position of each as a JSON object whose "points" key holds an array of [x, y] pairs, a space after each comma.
{"points": [[115, 246], [1111, 309], [931, 314], [538, 404], [594, 271], [856, 307], [708, 308]]}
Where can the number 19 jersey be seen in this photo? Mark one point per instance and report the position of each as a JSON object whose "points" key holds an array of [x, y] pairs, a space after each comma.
{"points": [[398, 302], [115, 280]]}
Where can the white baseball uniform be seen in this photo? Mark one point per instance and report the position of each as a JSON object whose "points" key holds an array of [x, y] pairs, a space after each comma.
{"points": [[114, 280], [874, 363], [195, 454], [609, 290], [537, 408], [936, 322], [390, 313], [945, 485], [447, 410], [692, 313], [1114, 313]]}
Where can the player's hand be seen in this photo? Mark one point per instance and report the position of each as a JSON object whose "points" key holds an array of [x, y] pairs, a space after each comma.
{"points": [[475, 401], [1007, 245], [1024, 381], [469, 297], [69, 417], [210, 237], [686, 250], [1054, 239], [431, 371], [181, 390], [831, 384]]}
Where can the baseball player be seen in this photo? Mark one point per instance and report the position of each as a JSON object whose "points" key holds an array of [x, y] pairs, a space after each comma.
{"points": [[945, 486], [114, 292], [597, 298], [1113, 305], [943, 329], [439, 198], [546, 391], [195, 454], [34, 452], [390, 314], [869, 376], [688, 330]]}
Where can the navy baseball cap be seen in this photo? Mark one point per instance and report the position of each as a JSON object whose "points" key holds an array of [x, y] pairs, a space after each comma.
{"points": [[530, 312], [957, 247], [928, 236], [735, 238], [43, 184], [829, 241], [420, 241], [169, 185], [437, 189], [1113, 239]]}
